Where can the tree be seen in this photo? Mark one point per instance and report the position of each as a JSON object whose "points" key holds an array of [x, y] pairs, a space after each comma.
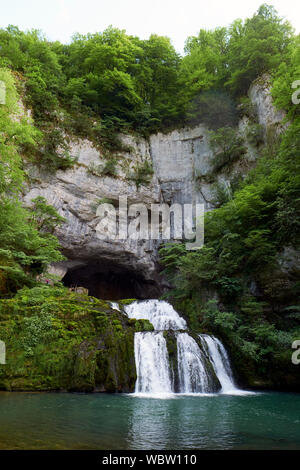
{"points": [[24, 251], [256, 47], [204, 66]]}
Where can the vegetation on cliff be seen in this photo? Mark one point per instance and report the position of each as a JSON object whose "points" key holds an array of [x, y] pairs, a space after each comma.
{"points": [[249, 262], [27, 245], [105, 83]]}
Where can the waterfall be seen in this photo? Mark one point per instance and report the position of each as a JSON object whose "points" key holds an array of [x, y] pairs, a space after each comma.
{"points": [[192, 374], [115, 306], [160, 313], [200, 368], [152, 361], [220, 361]]}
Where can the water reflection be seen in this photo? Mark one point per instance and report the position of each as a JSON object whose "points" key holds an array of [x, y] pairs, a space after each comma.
{"points": [[181, 423], [70, 421]]}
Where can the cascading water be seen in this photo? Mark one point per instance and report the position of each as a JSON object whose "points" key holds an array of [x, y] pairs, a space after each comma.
{"points": [[115, 306], [197, 370], [219, 359], [160, 313], [193, 377], [152, 361], [151, 354]]}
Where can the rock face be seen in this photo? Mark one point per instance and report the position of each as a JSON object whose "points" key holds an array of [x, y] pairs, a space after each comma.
{"points": [[181, 162], [260, 96]]}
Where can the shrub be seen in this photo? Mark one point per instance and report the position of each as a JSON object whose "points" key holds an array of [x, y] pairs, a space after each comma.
{"points": [[142, 173], [109, 168], [106, 169], [227, 146], [255, 134], [54, 151], [247, 108], [222, 193]]}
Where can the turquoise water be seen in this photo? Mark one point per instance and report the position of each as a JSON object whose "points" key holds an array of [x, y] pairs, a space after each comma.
{"points": [[102, 421]]}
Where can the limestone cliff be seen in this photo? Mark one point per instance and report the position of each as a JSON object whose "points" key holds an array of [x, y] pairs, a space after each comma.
{"points": [[181, 162]]}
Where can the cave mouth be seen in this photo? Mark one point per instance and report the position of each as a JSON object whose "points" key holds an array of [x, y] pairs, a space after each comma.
{"points": [[108, 281]]}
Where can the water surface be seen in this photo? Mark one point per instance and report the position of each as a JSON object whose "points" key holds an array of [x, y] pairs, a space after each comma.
{"points": [[103, 421]]}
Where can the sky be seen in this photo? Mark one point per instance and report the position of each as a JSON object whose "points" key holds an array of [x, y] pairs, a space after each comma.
{"points": [[177, 19]]}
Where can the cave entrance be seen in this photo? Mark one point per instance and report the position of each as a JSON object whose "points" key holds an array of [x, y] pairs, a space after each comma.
{"points": [[108, 281]]}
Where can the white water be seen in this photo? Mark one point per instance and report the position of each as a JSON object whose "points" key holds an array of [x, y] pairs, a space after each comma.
{"points": [[160, 313], [219, 359], [152, 358], [192, 374], [152, 363], [115, 306]]}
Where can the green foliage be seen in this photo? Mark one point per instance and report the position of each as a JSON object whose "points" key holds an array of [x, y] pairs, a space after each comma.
{"points": [[288, 72], [106, 169], [243, 242], [251, 307], [204, 66], [53, 152], [105, 84], [255, 134], [109, 168], [142, 173], [222, 193], [37, 329], [24, 250], [45, 217], [61, 340], [16, 133], [231, 58], [124, 83], [95, 169], [255, 47], [247, 108], [227, 146], [106, 134], [249, 335], [244, 235], [215, 320], [103, 200]]}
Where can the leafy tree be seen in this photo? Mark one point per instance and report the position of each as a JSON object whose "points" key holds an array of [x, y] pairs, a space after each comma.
{"points": [[288, 72], [227, 146], [204, 66], [24, 251], [45, 217], [255, 47]]}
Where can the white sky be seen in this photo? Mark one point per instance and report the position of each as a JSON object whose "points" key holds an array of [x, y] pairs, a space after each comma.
{"points": [[59, 19]]}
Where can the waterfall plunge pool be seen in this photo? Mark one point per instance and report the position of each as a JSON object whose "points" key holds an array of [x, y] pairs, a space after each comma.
{"points": [[187, 415], [108, 422]]}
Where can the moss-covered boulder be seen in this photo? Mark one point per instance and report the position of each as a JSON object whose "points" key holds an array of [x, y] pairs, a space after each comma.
{"points": [[61, 340]]}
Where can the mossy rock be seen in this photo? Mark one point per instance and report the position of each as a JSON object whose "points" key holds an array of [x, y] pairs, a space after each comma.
{"points": [[125, 302], [171, 340], [143, 325], [62, 341]]}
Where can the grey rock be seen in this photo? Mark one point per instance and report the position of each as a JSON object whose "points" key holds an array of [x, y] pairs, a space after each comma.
{"points": [[182, 174]]}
